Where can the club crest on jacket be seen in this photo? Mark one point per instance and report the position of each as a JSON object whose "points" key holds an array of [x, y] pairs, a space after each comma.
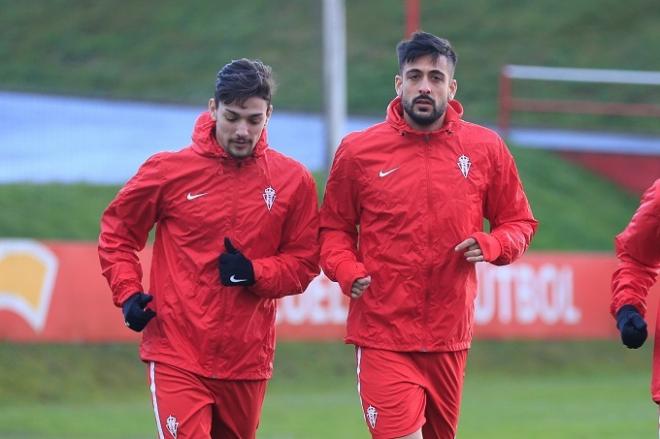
{"points": [[269, 197], [464, 165]]}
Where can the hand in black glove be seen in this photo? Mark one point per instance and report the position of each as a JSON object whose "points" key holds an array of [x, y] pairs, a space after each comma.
{"points": [[632, 326], [136, 316], [235, 269]]}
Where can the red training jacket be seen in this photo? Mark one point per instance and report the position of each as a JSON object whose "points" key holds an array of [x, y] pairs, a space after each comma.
{"points": [[638, 252], [396, 204], [197, 196]]}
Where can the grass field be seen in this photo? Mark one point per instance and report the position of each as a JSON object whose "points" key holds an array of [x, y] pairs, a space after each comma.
{"points": [[575, 390]]}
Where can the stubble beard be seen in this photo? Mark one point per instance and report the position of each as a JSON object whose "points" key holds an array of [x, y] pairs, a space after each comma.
{"points": [[240, 153], [424, 119]]}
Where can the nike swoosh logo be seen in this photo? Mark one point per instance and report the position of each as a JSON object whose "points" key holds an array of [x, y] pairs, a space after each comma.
{"points": [[191, 197], [235, 280], [382, 173]]}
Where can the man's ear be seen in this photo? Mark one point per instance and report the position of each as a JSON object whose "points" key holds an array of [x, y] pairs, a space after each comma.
{"points": [[213, 109], [398, 83], [453, 88], [268, 113]]}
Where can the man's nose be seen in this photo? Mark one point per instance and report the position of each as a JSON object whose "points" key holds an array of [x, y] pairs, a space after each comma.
{"points": [[242, 129], [424, 87]]}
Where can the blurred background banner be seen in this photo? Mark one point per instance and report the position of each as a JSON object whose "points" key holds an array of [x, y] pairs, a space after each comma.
{"points": [[53, 291]]}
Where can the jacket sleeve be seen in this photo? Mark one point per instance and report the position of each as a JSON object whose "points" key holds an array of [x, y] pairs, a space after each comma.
{"points": [[125, 226], [512, 224], [340, 217], [638, 252], [297, 263]]}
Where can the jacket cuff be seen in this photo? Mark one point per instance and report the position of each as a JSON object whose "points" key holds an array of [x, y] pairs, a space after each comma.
{"points": [[490, 246], [348, 272], [126, 290], [617, 305], [258, 288], [257, 268]]}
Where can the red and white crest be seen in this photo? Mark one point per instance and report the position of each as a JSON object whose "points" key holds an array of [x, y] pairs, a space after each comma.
{"points": [[464, 165], [269, 197]]}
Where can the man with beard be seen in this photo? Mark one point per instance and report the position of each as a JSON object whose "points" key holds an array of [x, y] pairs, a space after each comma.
{"points": [[401, 231], [236, 229]]}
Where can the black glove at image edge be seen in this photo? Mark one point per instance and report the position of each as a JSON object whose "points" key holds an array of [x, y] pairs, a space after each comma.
{"points": [[632, 326]]}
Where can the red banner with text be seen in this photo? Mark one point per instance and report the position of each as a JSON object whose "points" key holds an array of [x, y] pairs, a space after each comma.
{"points": [[54, 291]]}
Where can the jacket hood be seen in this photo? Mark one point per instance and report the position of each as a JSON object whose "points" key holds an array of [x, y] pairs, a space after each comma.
{"points": [[205, 143], [395, 117]]}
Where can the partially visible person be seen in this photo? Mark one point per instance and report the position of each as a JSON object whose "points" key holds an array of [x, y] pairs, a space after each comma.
{"points": [[401, 231], [638, 252], [236, 228]]}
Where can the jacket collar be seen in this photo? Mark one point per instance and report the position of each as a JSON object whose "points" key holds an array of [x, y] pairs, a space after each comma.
{"points": [[205, 143], [396, 120]]}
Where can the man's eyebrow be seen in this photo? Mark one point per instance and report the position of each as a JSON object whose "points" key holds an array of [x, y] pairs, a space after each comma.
{"points": [[234, 113], [434, 71]]}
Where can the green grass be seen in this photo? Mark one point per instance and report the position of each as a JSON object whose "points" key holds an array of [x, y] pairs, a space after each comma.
{"points": [[557, 390], [73, 211], [170, 50], [512, 389], [53, 211], [577, 209], [548, 407], [126, 419]]}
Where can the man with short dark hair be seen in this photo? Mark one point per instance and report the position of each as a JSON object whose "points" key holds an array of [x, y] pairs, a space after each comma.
{"points": [[236, 228], [401, 231]]}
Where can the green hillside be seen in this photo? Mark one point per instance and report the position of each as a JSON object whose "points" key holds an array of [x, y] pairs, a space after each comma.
{"points": [[577, 209], [169, 50]]}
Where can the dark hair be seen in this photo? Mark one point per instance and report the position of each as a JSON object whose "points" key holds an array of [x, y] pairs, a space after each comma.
{"points": [[242, 79], [422, 44]]}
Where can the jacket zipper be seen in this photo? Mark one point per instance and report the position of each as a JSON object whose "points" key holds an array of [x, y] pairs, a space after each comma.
{"points": [[234, 200], [230, 234], [428, 267]]}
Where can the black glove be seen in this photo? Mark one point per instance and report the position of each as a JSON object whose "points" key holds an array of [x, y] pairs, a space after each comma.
{"points": [[632, 326], [136, 316], [235, 269]]}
